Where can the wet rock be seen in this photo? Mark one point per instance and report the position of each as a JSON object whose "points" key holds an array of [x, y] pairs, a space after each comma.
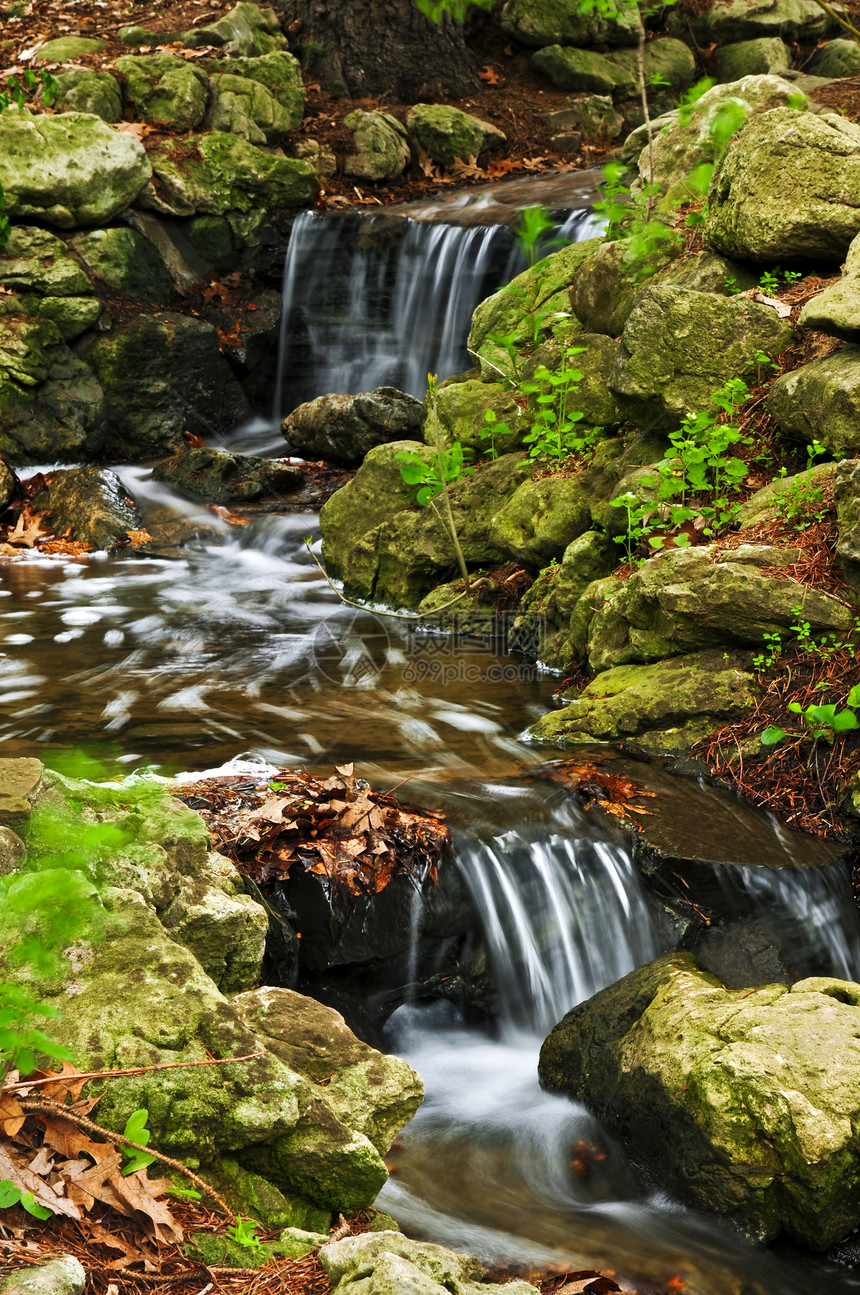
{"points": [[227, 478], [836, 310], [374, 1093], [679, 346], [743, 1103], [388, 1263], [245, 31], [35, 261], [8, 485], [662, 708], [343, 429], [88, 504], [818, 158], [71, 316], [739, 20], [81, 89], [448, 135], [381, 148], [278, 72], [549, 22], [582, 69], [684, 600], [542, 627], [124, 260], [62, 1275], [821, 401], [160, 374], [20, 785], [837, 58], [58, 418], [68, 170], [753, 58]]}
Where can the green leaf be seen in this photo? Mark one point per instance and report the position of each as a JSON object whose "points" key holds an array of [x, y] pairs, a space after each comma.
{"points": [[772, 735]]}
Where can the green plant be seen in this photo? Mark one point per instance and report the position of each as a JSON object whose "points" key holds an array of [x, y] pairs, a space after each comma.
{"points": [[822, 722], [429, 479], [11, 1195], [489, 431], [20, 1040], [136, 1130], [773, 280], [436, 10], [244, 1231], [637, 527], [555, 433], [773, 650], [763, 362]]}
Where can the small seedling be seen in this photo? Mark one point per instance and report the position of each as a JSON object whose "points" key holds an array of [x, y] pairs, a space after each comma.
{"points": [[244, 1232]]}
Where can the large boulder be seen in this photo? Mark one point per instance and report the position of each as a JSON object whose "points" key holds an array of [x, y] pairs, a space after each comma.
{"points": [[388, 1263], [68, 170], [33, 260], [541, 628], [743, 1102], [448, 135], [821, 401], [226, 478], [279, 72], [381, 149], [245, 107], [604, 289], [838, 58], [583, 70], [162, 374], [343, 429], [124, 260], [817, 160], [662, 708], [82, 89], [165, 90], [684, 600], [566, 22], [461, 408], [736, 20], [58, 417], [753, 58], [88, 504], [836, 310], [679, 347], [245, 31]]}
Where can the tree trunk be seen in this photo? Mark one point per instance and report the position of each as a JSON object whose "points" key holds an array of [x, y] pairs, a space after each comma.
{"points": [[381, 49]]}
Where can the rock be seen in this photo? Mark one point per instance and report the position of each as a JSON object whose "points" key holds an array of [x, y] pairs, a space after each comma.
{"points": [[160, 374], [604, 289], [65, 49], [581, 69], [598, 120], [821, 401], [374, 1093], [246, 31], [223, 175], [835, 310], [662, 708], [542, 626], [246, 108], [753, 58], [8, 485], [669, 64], [684, 600], [35, 261], [846, 497], [679, 347], [818, 158], [742, 1102], [740, 20], [448, 135], [461, 407], [293, 1243], [320, 156], [343, 429], [20, 785], [68, 170], [227, 478], [165, 90], [124, 260], [561, 22], [88, 504], [782, 493], [593, 356], [62, 1275], [838, 58], [81, 89], [58, 418], [388, 1263], [71, 316], [279, 72], [707, 271], [381, 149]]}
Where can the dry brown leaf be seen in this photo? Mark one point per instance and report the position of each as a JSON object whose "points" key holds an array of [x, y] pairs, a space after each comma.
{"points": [[488, 76], [14, 1167], [12, 1115], [28, 529], [137, 128], [138, 538], [232, 519], [273, 810]]}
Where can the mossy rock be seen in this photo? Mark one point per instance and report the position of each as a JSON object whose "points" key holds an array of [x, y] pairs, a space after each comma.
{"points": [[448, 135], [835, 310], [561, 22], [88, 504], [728, 21], [246, 108], [583, 70], [604, 289], [293, 1243], [753, 58], [821, 401], [82, 89], [838, 58], [207, 473], [65, 49], [58, 419], [707, 271], [279, 72], [34, 260], [165, 90], [126, 261], [542, 628], [381, 149], [245, 31], [461, 407]]}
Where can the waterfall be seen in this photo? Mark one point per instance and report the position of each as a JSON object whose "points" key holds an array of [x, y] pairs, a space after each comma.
{"points": [[377, 300]]}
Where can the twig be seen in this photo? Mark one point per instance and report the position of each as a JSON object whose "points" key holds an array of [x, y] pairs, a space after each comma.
{"points": [[374, 611], [135, 1070], [44, 1106], [832, 13]]}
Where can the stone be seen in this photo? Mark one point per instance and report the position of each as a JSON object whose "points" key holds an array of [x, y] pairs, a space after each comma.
{"points": [[225, 932], [278, 72], [374, 1093], [320, 156], [669, 66], [343, 429], [227, 478], [124, 260], [565, 22], [836, 310], [57, 419], [82, 89], [461, 407], [707, 271], [604, 289], [593, 356], [160, 374], [223, 175], [65, 49], [818, 159], [34, 260], [12, 851], [20, 785], [88, 504], [69, 170], [756, 57], [293, 1243], [838, 58], [165, 90], [678, 347], [541, 629], [25, 344], [663, 708], [744, 1103], [381, 149], [245, 31], [246, 108], [821, 401], [448, 135], [71, 316], [568, 68], [684, 600], [846, 497], [780, 496], [9, 485], [62, 1275], [729, 21], [388, 1263], [598, 120]]}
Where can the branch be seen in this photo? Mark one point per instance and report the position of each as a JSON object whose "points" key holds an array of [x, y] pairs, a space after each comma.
{"points": [[116, 1074], [832, 13]]}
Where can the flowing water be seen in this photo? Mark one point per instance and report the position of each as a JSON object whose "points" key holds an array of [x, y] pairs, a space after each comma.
{"points": [[239, 649]]}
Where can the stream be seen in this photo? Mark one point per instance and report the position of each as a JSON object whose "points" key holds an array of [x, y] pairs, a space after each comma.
{"points": [[238, 651]]}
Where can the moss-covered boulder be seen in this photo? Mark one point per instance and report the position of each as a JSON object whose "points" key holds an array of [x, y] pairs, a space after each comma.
{"points": [[125, 260], [707, 271], [245, 31], [565, 22], [388, 1263], [63, 1275], [753, 58], [448, 135], [278, 71], [58, 418], [743, 1102], [34, 260], [669, 65], [584, 70], [661, 708], [82, 89], [223, 175], [684, 600], [836, 310], [728, 21], [846, 497], [542, 625], [381, 148], [604, 289], [65, 49], [68, 170], [461, 409], [208, 473], [593, 356], [800, 495], [246, 108], [837, 58], [821, 400], [679, 347], [165, 90], [158, 372], [817, 159], [343, 429], [88, 504]]}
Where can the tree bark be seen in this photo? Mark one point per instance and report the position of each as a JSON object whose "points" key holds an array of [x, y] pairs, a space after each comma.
{"points": [[381, 49]]}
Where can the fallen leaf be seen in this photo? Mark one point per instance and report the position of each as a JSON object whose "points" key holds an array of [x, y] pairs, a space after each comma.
{"points": [[232, 519], [488, 76], [139, 129], [14, 1167]]}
